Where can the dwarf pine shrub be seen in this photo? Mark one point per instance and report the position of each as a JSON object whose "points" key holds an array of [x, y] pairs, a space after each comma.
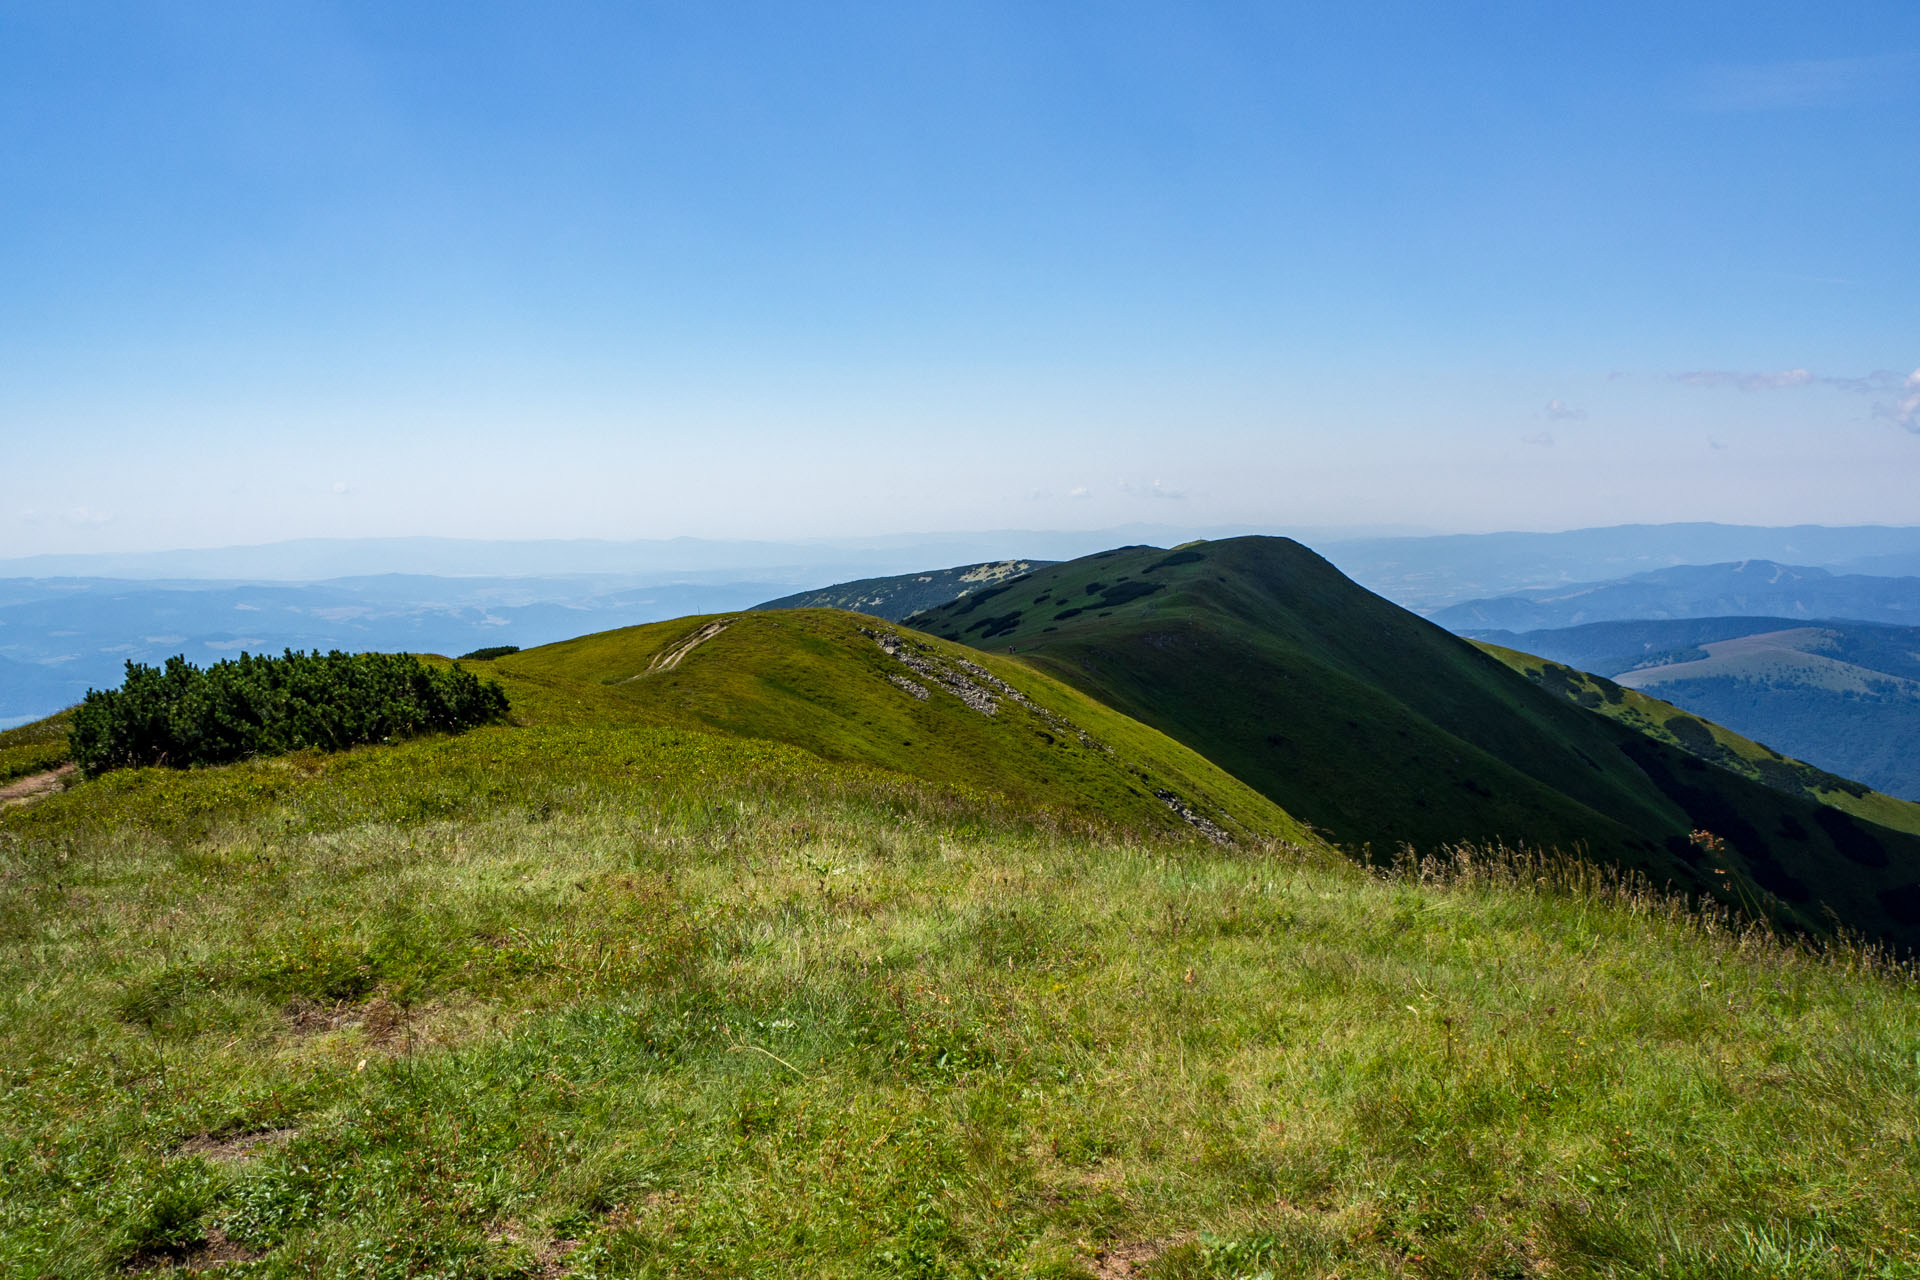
{"points": [[181, 715]]}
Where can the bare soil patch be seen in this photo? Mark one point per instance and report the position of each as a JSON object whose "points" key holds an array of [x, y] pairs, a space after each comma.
{"points": [[35, 786], [228, 1147], [215, 1250], [380, 1020], [549, 1256], [1115, 1262]]}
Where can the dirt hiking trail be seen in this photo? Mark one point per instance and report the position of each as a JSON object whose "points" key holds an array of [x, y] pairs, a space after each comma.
{"points": [[668, 659], [35, 786]]}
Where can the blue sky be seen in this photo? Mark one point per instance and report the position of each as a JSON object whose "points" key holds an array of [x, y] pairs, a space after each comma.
{"points": [[642, 270]]}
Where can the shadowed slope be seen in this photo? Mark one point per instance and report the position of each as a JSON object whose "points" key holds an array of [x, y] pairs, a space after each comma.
{"points": [[1383, 729]]}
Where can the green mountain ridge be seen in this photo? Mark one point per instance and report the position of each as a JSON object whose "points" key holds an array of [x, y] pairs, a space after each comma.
{"points": [[1382, 729]]}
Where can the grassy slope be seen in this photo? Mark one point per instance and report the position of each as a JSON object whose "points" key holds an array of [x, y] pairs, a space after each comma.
{"points": [[1380, 728], [601, 1000], [34, 748], [818, 680], [1713, 742]]}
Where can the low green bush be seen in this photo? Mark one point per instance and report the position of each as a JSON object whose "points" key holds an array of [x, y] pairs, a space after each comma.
{"points": [[181, 715]]}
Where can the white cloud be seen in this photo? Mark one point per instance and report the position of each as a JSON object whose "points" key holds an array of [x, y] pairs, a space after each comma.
{"points": [[1747, 381], [1152, 490], [1878, 380], [1561, 411], [1079, 491], [1904, 411], [1544, 439], [87, 517], [341, 486]]}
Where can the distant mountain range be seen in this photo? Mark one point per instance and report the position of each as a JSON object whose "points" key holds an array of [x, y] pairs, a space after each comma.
{"points": [[68, 622], [1419, 570], [1841, 695], [1429, 573], [809, 562], [895, 597], [1760, 588]]}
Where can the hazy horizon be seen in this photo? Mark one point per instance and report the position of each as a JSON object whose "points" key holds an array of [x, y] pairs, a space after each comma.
{"points": [[817, 562], [637, 272]]}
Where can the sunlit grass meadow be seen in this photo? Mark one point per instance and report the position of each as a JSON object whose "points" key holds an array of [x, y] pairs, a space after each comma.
{"points": [[657, 1003]]}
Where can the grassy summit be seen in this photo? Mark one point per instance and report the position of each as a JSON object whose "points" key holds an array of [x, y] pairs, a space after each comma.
{"points": [[1382, 729], [861, 690]]}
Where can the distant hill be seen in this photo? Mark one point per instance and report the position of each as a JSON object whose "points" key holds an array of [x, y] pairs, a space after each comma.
{"points": [[1435, 571], [1747, 587], [1715, 742], [896, 597], [1842, 695], [1382, 729]]}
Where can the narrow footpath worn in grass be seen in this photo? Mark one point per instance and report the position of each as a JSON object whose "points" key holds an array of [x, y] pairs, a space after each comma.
{"points": [[662, 1004]]}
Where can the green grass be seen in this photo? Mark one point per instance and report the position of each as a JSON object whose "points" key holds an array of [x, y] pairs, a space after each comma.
{"points": [[643, 1001], [1382, 730], [762, 966], [34, 748], [816, 679]]}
